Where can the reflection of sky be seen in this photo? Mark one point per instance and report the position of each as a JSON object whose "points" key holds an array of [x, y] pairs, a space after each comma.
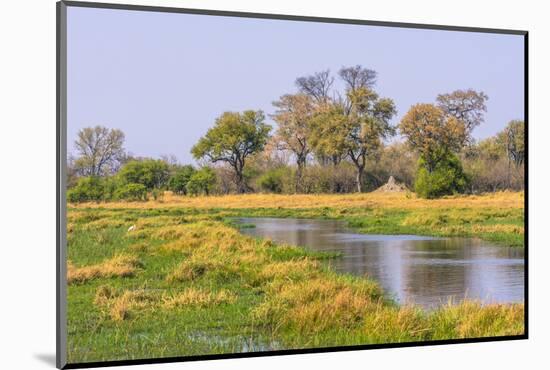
{"points": [[163, 78], [422, 270]]}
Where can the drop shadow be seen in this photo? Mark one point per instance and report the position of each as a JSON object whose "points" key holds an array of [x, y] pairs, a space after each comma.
{"points": [[47, 358]]}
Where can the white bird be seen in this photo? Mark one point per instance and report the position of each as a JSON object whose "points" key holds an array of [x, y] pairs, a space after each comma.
{"points": [[131, 228]]}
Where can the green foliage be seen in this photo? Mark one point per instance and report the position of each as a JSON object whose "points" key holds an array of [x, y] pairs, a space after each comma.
{"points": [[512, 138], [131, 192], [179, 179], [273, 180], [100, 150], [202, 182], [431, 132], [150, 173], [234, 137], [447, 177], [87, 189]]}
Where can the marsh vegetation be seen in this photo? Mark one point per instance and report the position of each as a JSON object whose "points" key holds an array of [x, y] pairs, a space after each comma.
{"points": [[185, 281]]}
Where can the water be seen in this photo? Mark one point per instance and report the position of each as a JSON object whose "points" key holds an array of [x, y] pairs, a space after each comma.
{"points": [[422, 270]]}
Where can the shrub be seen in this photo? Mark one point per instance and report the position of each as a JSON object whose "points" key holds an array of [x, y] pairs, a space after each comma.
{"points": [[201, 182], [87, 189], [131, 192], [150, 173], [446, 178], [273, 180], [179, 179]]}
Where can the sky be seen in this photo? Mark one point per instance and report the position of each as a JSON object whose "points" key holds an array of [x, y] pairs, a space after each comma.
{"points": [[163, 78]]}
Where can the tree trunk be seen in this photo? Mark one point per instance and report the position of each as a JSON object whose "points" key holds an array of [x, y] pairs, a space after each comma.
{"points": [[301, 163], [241, 185], [359, 178]]}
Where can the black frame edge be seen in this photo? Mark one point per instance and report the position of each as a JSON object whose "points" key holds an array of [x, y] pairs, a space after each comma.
{"points": [[61, 162], [161, 360], [526, 183]]}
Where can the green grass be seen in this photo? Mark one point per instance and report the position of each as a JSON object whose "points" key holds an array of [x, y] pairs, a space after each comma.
{"points": [[276, 297]]}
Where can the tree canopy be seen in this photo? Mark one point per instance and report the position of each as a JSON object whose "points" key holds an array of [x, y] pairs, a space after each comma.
{"points": [[293, 116], [431, 132], [233, 138], [100, 150], [467, 106], [151, 173]]}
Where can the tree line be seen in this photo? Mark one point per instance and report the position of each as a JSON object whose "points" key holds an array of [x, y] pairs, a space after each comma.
{"points": [[326, 140]]}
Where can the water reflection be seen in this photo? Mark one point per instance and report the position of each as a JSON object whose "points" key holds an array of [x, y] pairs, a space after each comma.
{"points": [[422, 270]]}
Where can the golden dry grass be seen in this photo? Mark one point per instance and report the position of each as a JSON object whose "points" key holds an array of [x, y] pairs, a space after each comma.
{"points": [[315, 305], [193, 297], [121, 265], [295, 201]]}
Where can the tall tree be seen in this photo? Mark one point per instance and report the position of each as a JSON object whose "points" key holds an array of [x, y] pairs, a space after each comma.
{"points": [[369, 124], [234, 137], [293, 117], [432, 133], [317, 85], [468, 106], [100, 150], [357, 132], [357, 77], [513, 138]]}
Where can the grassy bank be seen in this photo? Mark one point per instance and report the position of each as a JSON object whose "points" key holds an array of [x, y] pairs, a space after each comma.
{"points": [[184, 282], [497, 217]]}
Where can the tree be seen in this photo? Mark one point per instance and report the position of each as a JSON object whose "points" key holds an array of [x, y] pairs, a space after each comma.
{"points": [[317, 86], [359, 133], [293, 118], [151, 173], [131, 192], [432, 133], [87, 189], [234, 137], [179, 179], [355, 124], [513, 139], [100, 150], [447, 177], [357, 77], [202, 181], [369, 124], [467, 106]]}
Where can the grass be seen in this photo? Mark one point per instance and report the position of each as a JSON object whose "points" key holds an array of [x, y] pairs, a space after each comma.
{"points": [[185, 281], [496, 217], [116, 266]]}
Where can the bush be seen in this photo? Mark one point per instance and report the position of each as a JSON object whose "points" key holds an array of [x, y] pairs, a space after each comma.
{"points": [[329, 179], [150, 173], [131, 192], [87, 189], [202, 182], [446, 178], [179, 179], [273, 180]]}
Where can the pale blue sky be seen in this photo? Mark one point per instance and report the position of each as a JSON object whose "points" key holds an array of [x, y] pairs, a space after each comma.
{"points": [[163, 78]]}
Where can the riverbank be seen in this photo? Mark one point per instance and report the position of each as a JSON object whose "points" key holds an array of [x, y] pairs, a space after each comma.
{"points": [[185, 282], [496, 217]]}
